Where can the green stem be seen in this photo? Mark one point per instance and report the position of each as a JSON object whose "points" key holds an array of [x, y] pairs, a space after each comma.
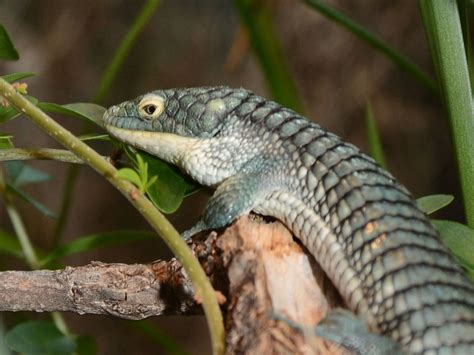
{"points": [[18, 226], [171, 237], [26, 246], [443, 29], [122, 52], [67, 193], [361, 32]]}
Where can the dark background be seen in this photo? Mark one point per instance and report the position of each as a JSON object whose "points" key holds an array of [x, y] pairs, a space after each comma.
{"points": [[189, 43]]}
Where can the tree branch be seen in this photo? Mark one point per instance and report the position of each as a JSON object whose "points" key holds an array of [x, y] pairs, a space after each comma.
{"points": [[260, 273], [127, 291]]}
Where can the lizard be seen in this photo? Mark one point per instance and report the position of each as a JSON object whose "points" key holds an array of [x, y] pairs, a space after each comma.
{"points": [[362, 226]]}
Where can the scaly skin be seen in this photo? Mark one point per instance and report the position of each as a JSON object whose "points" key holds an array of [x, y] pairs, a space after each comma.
{"points": [[363, 227]]}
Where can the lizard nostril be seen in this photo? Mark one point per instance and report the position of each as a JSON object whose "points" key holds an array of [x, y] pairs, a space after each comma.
{"points": [[114, 110]]}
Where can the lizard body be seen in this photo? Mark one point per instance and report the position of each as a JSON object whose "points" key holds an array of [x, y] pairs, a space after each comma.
{"points": [[362, 226]]}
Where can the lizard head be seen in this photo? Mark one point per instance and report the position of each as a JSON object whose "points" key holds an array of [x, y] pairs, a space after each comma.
{"points": [[165, 122], [188, 112]]}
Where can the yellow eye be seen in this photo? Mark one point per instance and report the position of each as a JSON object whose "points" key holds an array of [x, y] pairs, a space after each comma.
{"points": [[151, 106]]}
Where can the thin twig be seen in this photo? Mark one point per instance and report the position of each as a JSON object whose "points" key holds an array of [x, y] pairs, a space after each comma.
{"points": [[40, 154]]}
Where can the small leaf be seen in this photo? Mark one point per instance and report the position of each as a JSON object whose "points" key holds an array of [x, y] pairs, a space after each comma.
{"points": [[151, 182], [21, 174], [459, 239], [39, 337], [168, 192], [91, 111], [7, 49], [27, 198], [432, 203], [85, 111], [130, 175], [94, 136], [142, 168], [17, 76], [373, 136], [6, 141], [191, 186], [8, 113], [94, 241], [9, 245]]}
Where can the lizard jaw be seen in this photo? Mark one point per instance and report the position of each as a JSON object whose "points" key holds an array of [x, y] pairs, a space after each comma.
{"points": [[167, 146]]}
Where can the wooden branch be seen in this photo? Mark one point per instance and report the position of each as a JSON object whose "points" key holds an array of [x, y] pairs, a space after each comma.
{"points": [[126, 291], [259, 272]]}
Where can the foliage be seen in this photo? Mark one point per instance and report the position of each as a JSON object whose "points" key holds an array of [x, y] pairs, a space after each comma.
{"points": [[41, 337]]}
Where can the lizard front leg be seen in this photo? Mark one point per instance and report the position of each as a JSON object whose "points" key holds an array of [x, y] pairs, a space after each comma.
{"points": [[235, 197]]}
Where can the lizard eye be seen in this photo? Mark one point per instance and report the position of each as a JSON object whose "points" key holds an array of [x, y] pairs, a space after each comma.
{"points": [[151, 106], [149, 109]]}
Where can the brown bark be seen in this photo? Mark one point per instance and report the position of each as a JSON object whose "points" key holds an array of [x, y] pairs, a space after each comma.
{"points": [[261, 275]]}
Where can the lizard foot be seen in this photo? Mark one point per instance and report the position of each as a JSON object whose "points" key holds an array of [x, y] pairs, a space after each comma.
{"points": [[344, 328]]}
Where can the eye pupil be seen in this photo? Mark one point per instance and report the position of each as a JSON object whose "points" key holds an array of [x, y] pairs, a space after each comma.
{"points": [[150, 109]]}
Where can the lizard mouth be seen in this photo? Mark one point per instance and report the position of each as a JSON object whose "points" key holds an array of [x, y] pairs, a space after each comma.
{"points": [[130, 135], [168, 146]]}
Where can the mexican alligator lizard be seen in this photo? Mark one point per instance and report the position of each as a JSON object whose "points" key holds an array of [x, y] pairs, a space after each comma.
{"points": [[362, 226]]}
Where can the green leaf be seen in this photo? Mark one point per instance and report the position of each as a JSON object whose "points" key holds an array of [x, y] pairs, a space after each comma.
{"points": [[85, 111], [7, 49], [130, 175], [142, 169], [86, 345], [432, 203], [39, 337], [8, 113], [21, 174], [360, 31], [9, 245], [168, 191], [27, 198], [459, 239], [94, 136], [256, 18], [445, 39], [11, 78], [375, 143], [191, 187], [91, 111], [94, 241], [6, 141]]}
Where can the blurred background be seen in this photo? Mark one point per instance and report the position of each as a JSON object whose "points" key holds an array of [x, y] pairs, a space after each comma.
{"points": [[198, 43]]}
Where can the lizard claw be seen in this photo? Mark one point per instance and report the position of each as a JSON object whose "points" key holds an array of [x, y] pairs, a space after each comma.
{"points": [[198, 227]]}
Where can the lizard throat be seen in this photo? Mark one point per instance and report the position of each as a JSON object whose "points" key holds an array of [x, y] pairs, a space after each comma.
{"points": [[167, 146]]}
